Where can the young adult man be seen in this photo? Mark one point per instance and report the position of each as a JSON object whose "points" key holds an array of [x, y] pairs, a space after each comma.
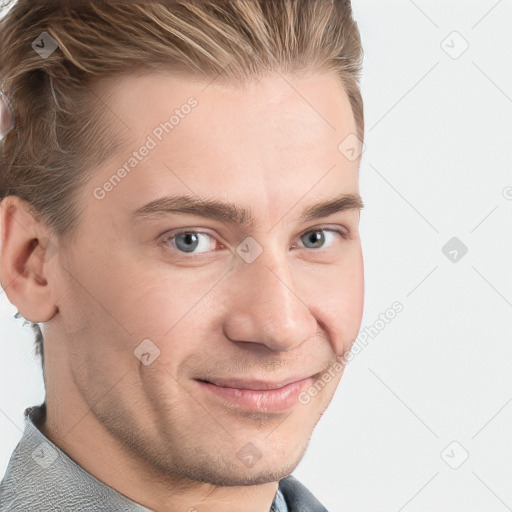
{"points": [[180, 214]]}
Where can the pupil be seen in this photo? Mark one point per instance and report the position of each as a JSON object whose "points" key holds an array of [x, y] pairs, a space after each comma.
{"points": [[316, 237], [188, 237]]}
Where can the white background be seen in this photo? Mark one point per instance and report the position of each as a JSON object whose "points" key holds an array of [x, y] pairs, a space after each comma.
{"points": [[437, 165]]}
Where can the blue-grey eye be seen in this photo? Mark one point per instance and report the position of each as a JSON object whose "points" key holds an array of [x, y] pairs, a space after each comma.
{"points": [[186, 242], [317, 238], [190, 241]]}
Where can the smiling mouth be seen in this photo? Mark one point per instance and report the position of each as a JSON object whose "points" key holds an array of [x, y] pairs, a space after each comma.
{"points": [[257, 384], [257, 395]]}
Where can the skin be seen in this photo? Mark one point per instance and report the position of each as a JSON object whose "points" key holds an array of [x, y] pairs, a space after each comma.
{"points": [[151, 432]]}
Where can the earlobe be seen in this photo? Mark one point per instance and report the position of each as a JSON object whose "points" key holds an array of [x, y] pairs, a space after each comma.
{"points": [[26, 253]]}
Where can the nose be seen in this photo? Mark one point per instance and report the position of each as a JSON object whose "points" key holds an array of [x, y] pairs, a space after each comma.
{"points": [[267, 307]]}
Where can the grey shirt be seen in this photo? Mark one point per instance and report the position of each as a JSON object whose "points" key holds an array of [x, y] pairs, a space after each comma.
{"points": [[40, 476]]}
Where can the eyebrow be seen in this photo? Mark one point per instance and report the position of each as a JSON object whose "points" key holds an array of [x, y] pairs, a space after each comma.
{"points": [[235, 213]]}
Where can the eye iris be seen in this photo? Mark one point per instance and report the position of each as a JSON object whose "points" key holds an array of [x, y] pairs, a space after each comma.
{"points": [[316, 237], [188, 238]]}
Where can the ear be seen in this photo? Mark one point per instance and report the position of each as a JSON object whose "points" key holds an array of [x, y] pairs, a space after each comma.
{"points": [[25, 256]]}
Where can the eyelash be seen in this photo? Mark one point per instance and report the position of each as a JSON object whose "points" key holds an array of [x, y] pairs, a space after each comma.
{"points": [[345, 235]]}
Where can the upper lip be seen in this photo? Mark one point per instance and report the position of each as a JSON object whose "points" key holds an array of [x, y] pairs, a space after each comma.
{"points": [[254, 384]]}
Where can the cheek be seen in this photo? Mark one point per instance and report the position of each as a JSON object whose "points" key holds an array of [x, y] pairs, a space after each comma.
{"points": [[172, 308], [340, 307], [355, 290]]}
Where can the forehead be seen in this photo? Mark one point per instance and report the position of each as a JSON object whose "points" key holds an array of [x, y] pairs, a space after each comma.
{"points": [[276, 137], [312, 106]]}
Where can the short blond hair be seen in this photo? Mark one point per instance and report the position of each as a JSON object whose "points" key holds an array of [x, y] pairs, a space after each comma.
{"points": [[60, 131]]}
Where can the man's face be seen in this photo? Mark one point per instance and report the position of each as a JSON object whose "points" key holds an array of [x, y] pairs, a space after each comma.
{"points": [[277, 307]]}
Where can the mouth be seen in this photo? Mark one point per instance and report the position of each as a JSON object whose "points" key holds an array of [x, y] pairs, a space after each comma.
{"points": [[256, 395]]}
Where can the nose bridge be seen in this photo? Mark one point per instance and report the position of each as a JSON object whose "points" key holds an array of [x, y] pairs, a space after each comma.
{"points": [[270, 311]]}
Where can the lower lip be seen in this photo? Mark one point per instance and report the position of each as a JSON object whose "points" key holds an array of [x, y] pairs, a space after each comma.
{"points": [[267, 400]]}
